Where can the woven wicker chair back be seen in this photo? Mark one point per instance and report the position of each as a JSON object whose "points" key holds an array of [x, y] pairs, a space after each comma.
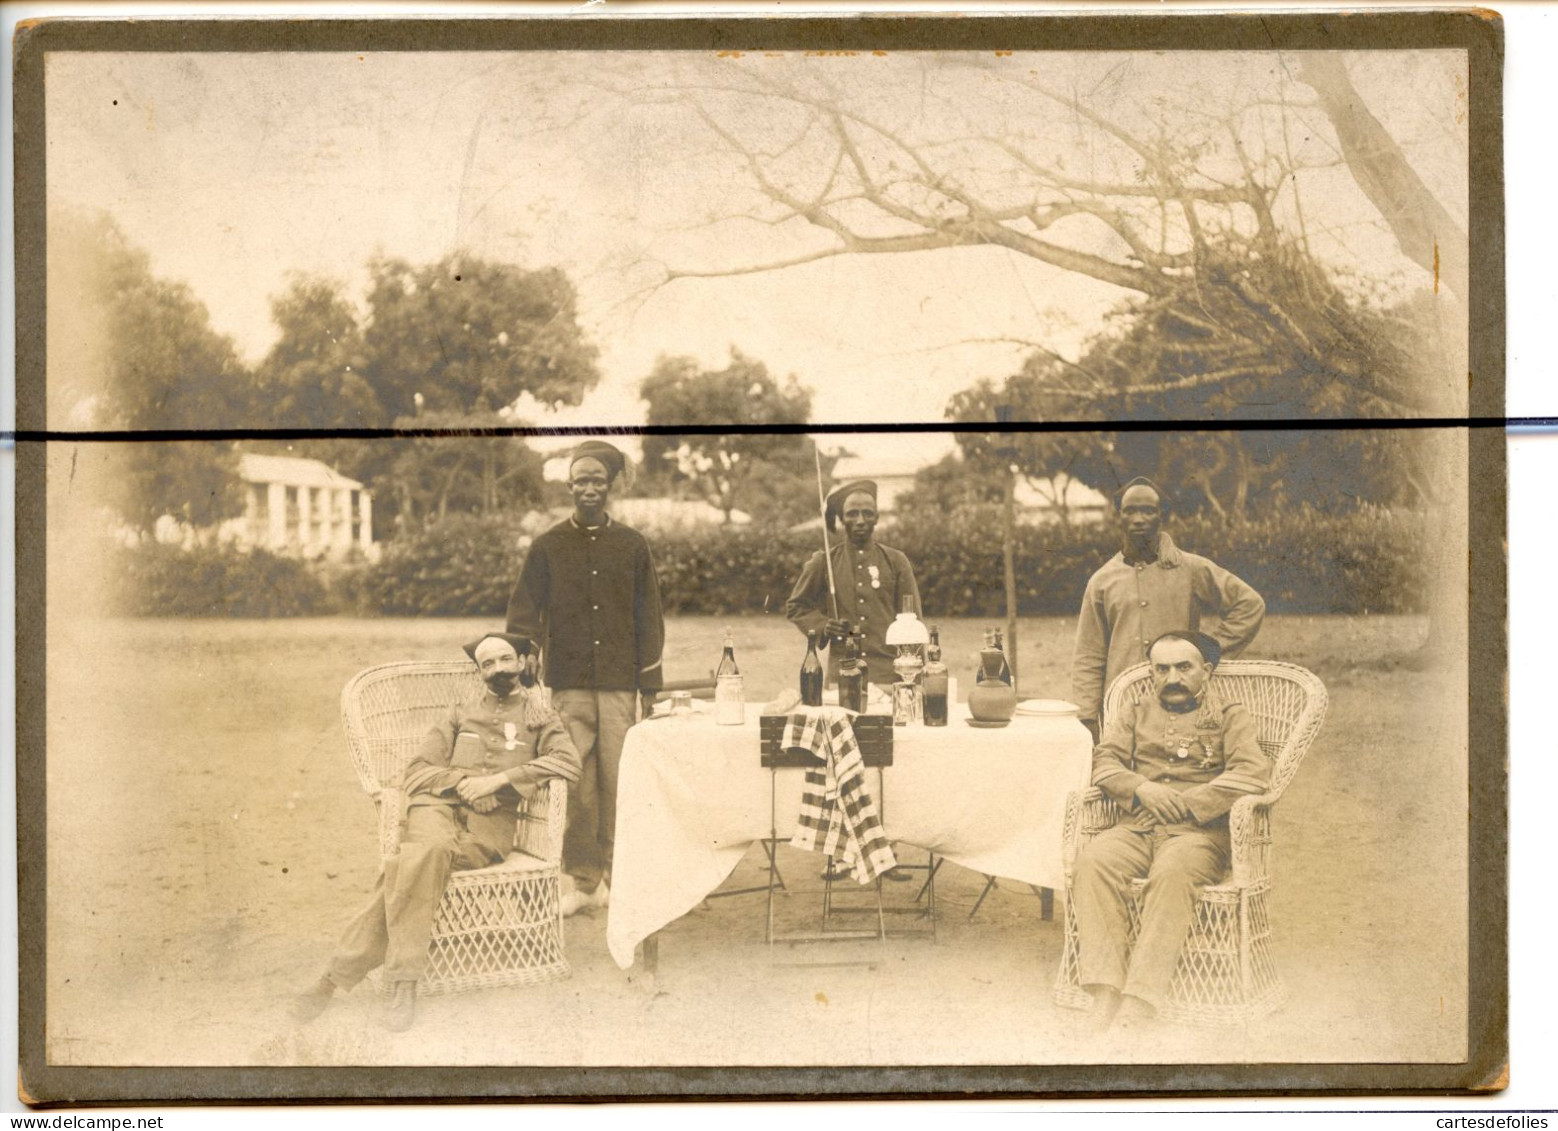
{"points": [[1288, 704], [388, 709]]}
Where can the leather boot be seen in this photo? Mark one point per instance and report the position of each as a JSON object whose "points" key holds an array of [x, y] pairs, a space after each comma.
{"points": [[313, 1001], [401, 1010]]}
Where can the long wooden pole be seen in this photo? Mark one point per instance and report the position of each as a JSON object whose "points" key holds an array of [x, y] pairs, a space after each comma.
{"points": [[827, 550], [1009, 562]]}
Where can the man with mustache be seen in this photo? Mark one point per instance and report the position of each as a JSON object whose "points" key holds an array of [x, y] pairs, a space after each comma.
{"points": [[462, 792], [1174, 764], [589, 594], [1150, 587]]}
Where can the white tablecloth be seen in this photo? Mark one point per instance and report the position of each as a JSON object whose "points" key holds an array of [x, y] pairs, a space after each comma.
{"points": [[692, 797]]}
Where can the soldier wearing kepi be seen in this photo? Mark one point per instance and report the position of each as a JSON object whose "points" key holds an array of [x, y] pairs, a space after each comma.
{"points": [[1174, 764], [1151, 587], [462, 792], [872, 581], [589, 594]]}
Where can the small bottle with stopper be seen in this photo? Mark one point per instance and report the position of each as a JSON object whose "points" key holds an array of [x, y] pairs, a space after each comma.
{"points": [[729, 706], [934, 682]]}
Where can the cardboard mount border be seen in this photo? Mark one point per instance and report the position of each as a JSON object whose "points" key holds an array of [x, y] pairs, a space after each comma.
{"points": [[1477, 31]]}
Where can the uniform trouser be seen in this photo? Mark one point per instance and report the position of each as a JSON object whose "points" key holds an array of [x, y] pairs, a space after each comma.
{"points": [[598, 722], [1177, 860], [395, 927]]}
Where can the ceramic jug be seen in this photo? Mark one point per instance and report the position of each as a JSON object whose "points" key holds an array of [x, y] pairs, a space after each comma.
{"points": [[992, 700]]}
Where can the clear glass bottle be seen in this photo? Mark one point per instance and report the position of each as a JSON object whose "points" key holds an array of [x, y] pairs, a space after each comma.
{"points": [[729, 706], [934, 681], [811, 674]]}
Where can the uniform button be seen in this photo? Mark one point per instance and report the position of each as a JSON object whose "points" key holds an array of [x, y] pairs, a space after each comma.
{"points": [[593, 572], [597, 607], [1144, 604], [597, 644]]}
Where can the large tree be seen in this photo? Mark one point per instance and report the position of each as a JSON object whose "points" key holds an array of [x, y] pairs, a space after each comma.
{"points": [[772, 476], [315, 376], [468, 335], [130, 350]]}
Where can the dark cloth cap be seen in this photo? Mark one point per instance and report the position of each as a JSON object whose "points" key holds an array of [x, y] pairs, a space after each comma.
{"points": [[1211, 651], [522, 645], [610, 457], [835, 503]]}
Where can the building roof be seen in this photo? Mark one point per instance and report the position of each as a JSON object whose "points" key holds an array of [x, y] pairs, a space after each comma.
{"points": [[293, 471]]}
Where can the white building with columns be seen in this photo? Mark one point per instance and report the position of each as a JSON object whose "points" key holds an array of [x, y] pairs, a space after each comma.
{"points": [[303, 507]]}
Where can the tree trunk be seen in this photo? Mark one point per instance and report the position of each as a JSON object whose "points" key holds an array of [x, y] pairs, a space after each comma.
{"points": [[1426, 232]]}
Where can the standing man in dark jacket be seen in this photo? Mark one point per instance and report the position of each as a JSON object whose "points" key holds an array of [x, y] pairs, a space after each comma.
{"points": [[588, 594]]}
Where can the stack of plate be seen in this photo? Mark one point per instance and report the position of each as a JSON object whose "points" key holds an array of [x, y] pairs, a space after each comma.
{"points": [[1046, 709]]}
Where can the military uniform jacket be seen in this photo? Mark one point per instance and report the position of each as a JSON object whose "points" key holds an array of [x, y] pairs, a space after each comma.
{"points": [[591, 598], [1128, 605], [1209, 754], [872, 584], [517, 736]]}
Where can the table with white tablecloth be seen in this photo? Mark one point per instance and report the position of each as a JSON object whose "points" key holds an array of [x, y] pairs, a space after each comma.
{"points": [[692, 797]]}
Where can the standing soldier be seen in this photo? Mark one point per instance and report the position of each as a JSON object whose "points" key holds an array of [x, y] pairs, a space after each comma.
{"points": [[588, 594], [872, 581], [1151, 587]]}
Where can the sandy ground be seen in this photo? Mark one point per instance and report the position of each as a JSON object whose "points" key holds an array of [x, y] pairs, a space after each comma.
{"points": [[207, 841]]}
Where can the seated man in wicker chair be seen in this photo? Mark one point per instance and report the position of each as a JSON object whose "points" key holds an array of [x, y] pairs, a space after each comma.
{"points": [[1174, 765], [462, 791]]}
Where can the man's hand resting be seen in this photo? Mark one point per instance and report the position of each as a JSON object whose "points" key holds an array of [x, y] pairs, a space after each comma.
{"points": [[478, 786], [485, 804], [1163, 802]]}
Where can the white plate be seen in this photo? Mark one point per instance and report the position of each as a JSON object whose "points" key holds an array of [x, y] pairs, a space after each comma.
{"points": [[1045, 707]]}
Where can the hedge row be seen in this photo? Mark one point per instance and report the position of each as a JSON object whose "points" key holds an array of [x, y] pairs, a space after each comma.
{"points": [[1368, 561], [164, 580]]}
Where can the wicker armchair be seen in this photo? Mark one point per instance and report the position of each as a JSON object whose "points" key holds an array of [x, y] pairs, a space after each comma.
{"points": [[1226, 975], [496, 926]]}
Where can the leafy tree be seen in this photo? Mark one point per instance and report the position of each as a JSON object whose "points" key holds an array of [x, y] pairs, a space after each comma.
{"points": [[434, 475], [315, 374], [466, 335], [139, 353], [771, 476]]}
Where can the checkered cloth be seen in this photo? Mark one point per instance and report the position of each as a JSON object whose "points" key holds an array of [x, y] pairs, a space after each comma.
{"points": [[835, 802]]}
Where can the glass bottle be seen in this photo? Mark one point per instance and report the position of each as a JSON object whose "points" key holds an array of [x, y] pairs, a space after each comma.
{"points": [[729, 707], [851, 675], [934, 681], [811, 674], [1005, 674]]}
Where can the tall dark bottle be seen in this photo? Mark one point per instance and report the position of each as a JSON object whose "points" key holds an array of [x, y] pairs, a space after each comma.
{"points": [[934, 682], [852, 685], [811, 674]]}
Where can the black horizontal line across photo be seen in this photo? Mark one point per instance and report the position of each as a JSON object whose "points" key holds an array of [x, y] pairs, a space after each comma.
{"points": [[122, 435]]}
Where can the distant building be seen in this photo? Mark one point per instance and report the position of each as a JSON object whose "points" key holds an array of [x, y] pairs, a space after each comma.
{"points": [[302, 507], [894, 476]]}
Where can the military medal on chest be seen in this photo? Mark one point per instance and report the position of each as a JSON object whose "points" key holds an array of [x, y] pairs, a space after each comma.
{"points": [[876, 576], [510, 736]]}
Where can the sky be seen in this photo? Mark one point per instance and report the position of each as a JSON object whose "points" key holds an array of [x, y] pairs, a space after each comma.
{"points": [[234, 171]]}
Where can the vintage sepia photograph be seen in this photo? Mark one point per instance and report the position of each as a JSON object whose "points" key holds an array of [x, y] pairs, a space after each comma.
{"points": [[581, 546]]}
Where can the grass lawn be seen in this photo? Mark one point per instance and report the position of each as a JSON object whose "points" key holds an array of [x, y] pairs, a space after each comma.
{"points": [[208, 840]]}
